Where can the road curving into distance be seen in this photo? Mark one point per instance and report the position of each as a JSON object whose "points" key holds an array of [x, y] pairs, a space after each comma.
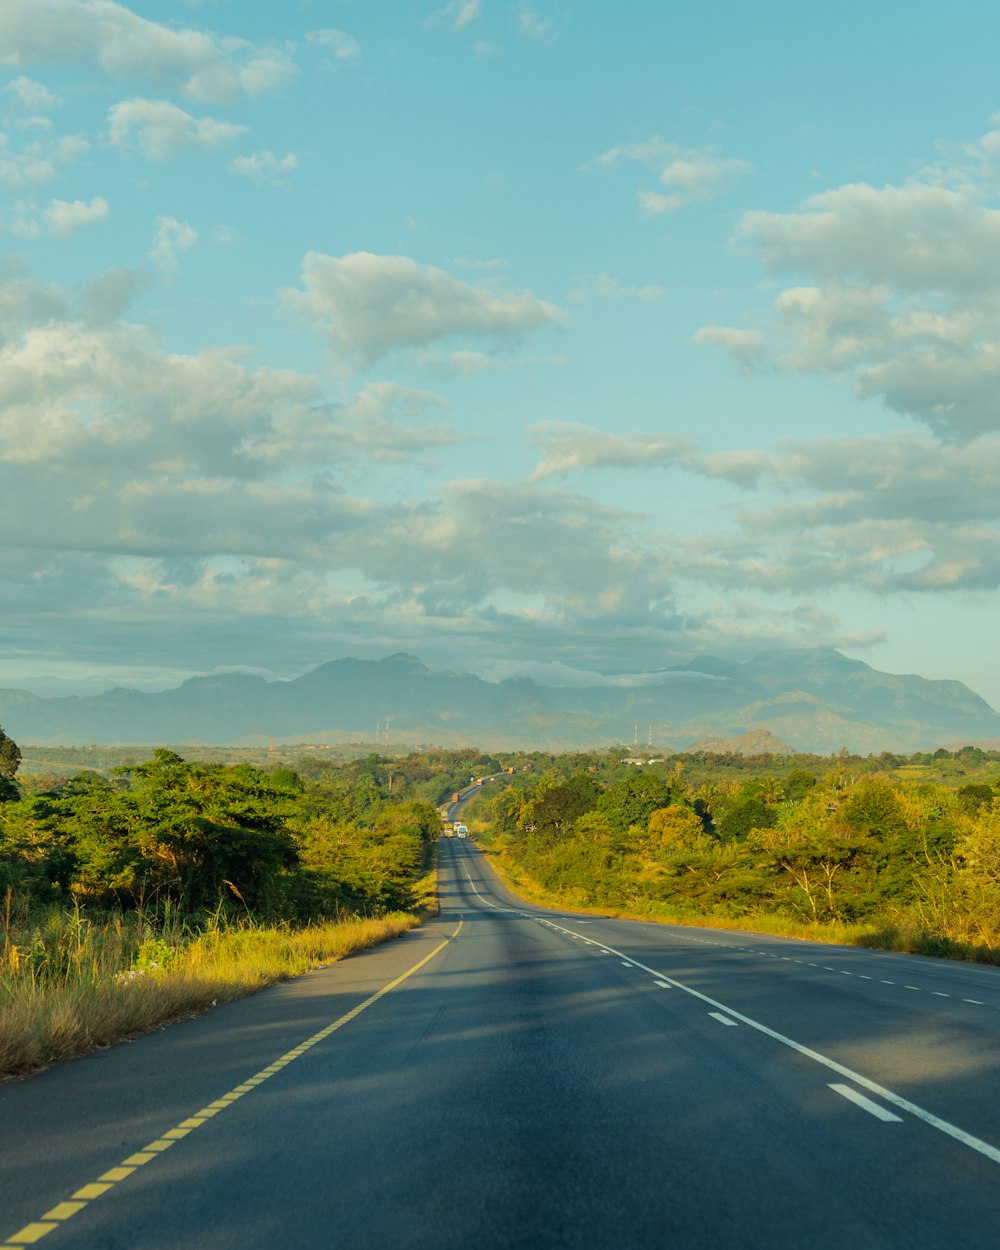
{"points": [[509, 1076]]}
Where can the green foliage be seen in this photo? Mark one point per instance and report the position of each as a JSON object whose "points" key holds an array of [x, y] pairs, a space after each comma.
{"points": [[859, 846], [633, 801], [798, 784], [974, 797], [740, 816], [559, 804], [200, 836], [10, 757]]}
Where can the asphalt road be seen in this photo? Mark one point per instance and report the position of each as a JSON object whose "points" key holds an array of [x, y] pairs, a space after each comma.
{"points": [[536, 1080]]}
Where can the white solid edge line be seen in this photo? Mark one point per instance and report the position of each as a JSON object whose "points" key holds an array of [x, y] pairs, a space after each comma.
{"points": [[866, 1104]]}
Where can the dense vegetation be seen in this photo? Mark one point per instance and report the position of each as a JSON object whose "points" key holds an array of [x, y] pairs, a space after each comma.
{"points": [[869, 843], [137, 890], [285, 843], [148, 890]]}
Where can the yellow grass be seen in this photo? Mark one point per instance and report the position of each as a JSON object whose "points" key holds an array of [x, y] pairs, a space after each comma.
{"points": [[46, 1017]]}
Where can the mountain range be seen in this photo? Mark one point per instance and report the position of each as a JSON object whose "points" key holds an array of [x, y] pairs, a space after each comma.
{"points": [[812, 699]]}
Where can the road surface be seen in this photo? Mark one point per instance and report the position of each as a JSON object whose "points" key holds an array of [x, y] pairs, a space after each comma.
{"points": [[508, 1076]]}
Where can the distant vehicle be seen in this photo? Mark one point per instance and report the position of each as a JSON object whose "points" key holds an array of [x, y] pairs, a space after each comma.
{"points": [[461, 831], [455, 797]]}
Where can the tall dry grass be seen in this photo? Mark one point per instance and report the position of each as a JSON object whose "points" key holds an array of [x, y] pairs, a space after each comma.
{"points": [[69, 985]]}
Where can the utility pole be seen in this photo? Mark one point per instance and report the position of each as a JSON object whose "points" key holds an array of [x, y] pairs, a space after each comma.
{"points": [[635, 735]]}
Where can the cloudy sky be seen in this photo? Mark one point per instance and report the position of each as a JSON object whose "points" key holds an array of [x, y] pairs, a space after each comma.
{"points": [[529, 336]]}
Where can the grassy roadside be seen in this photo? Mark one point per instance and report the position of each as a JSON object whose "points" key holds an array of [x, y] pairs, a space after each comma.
{"points": [[98, 999], [901, 934], [69, 986]]}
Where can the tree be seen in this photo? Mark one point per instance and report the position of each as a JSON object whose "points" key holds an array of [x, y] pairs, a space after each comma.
{"points": [[10, 759], [743, 815], [196, 833], [675, 828], [798, 784], [556, 808], [634, 800], [972, 798]]}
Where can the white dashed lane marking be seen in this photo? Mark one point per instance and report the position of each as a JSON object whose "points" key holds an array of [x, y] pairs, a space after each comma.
{"points": [[859, 1100], [805, 963]]}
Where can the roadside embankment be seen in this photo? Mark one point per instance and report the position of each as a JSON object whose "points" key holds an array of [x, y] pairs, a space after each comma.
{"points": [[69, 986]]}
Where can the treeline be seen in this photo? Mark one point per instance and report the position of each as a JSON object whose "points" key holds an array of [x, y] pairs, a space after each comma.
{"points": [[295, 844], [854, 844]]}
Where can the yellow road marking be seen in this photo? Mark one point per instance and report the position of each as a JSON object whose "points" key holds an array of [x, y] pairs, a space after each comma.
{"points": [[91, 1191], [32, 1233], [63, 1211]]}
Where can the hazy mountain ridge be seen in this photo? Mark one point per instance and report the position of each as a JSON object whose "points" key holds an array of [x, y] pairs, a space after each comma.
{"points": [[816, 700]]}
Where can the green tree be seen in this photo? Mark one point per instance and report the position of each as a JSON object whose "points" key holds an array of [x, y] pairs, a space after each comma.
{"points": [[973, 798], [556, 807], [632, 801], [10, 759], [10, 756], [196, 833], [742, 815]]}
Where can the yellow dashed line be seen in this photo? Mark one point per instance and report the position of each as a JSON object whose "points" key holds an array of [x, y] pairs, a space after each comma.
{"points": [[64, 1211], [32, 1233], [91, 1191]]}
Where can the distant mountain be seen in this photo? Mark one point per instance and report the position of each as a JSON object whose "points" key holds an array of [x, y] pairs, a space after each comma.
{"points": [[814, 700]]}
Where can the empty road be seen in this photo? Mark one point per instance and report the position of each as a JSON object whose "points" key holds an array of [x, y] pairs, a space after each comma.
{"points": [[508, 1076]]}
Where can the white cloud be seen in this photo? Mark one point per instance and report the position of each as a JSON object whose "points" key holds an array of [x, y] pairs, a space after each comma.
{"points": [[342, 47], [160, 129], [265, 168], [63, 216], [378, 425], [172, 236], [605, 286], [912, 238], [493, 263], [568, 447], [367, 305], [22, 222], [686, 175], [107, 296], [472, 362], [889, 513], [101, 34], [161, 486], [32, 96], [533, 23], [899, 292], [459, 13], [747, 347], [38, 161]]}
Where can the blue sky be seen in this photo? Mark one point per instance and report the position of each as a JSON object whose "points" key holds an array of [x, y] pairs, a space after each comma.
{"points": [[529, 337]]}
